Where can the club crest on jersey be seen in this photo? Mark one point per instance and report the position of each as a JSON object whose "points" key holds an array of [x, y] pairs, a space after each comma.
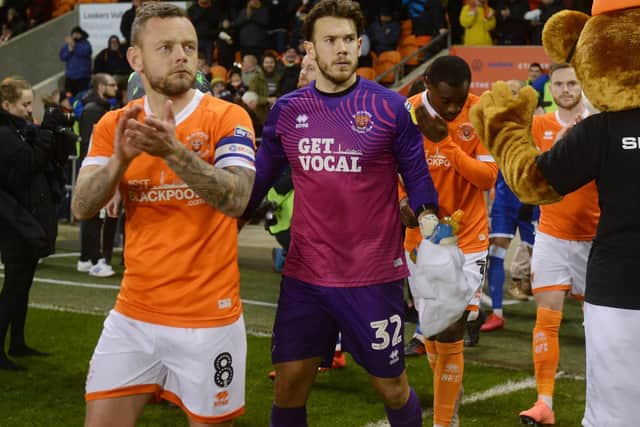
{"points": [[198, 143], [362, 122], [466, 132]]}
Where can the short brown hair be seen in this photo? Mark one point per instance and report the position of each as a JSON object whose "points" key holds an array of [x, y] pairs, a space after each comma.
{"points": [[558, 66], [153, 10], [11, 89], [336, 8]]}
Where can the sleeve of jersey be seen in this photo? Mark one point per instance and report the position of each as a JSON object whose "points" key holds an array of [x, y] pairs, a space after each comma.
{"points": [[270, 159], [409, 152], [575, 160], [482, 171], [102, 140], [236, 147]]}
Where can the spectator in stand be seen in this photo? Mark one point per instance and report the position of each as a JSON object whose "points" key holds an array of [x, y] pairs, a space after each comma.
{"points": [[206, 19], [539, 17], [271, 75], [511, 27], [454, 7], [304, 6], [15, 22], [249, 68], [384, 32], [257, 83], [280, 15], [202, 65], [219, 89], [478, 20], [127, 21], [39, 11], [289, 81], [290, 56], [76, 53], [236, 86], [113, 60], [427, 17], [250, 104], [251, 28], [226, 45], [535, 71]]}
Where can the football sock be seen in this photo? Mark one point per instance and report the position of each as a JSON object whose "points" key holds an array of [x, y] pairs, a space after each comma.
{"points": [[496, 276], [288, 417], [447, 380], [546, 352], [410, 415]]}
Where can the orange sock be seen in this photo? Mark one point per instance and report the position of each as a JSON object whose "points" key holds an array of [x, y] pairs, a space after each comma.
{"points": [[546, 349], [447, 380]]}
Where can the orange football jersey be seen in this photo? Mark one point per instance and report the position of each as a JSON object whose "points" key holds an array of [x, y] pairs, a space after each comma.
{"points": [[576, 216], [181, 253], [448, 166]]}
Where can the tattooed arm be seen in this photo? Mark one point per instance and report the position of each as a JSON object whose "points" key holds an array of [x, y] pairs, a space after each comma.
{"points": [[228, 190], [95, 186], [97, 183]]}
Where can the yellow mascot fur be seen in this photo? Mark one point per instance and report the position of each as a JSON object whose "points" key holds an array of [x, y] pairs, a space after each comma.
{"points": [[604, 50]]}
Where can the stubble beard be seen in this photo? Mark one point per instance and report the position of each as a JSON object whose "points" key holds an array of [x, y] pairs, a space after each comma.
{"points": [[171, 87]]}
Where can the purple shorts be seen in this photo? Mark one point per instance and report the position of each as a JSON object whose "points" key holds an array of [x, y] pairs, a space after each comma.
{"points": [[309, 318]]}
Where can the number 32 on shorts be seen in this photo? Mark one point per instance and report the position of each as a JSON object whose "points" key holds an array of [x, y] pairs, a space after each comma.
{"points": [[382, 335]]}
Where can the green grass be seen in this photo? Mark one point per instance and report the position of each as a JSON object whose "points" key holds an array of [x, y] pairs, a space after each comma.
{"points": [[50, 393]]}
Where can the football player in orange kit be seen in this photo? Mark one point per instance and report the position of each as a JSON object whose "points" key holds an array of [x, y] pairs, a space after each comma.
{"points": [[462, 170], [183, 162], [562, 244]]}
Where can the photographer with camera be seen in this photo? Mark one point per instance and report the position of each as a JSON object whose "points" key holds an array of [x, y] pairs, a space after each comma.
{"points": [[31, 185]]}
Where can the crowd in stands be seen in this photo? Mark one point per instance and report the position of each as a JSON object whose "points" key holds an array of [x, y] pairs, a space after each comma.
{"points": [[255, 47]]}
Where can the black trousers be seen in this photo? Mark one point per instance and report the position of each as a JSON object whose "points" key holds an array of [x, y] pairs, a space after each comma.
{"points": [[14, 300], [94, 231]]}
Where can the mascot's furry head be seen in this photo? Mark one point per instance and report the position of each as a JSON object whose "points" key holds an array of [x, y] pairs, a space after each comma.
{"points": [[600, 50]]}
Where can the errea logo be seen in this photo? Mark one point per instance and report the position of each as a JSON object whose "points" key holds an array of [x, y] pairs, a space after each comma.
{"points": [[548, 134], [630, 142], [302, 121], [394, 357]]}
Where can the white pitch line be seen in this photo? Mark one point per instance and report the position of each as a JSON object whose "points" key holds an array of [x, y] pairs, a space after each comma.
{"points": [[116, 287], [495, 391]]}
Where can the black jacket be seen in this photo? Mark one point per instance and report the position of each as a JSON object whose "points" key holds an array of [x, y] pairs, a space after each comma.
{"points": [[30, 185], [94, 108]]}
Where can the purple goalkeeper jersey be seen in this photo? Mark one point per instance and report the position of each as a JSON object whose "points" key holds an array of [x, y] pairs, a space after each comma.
{"points": [[345, 151]]}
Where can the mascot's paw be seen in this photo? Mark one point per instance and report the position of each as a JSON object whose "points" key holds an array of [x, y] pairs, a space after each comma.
{"points": [[503, 123], [499, 107]]}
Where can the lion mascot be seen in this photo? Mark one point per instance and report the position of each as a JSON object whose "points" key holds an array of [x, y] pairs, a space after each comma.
{"points": [[604, 50]]}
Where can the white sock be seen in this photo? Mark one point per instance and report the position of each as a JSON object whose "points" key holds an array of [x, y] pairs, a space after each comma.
{"points": [[546, 399], [498, 312]]}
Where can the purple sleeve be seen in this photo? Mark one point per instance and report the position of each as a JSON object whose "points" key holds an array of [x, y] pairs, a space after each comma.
{"points": [[270, 160], [412, 164]]}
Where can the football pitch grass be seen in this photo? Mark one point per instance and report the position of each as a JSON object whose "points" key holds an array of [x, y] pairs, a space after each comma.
{"points": [[68, 308]]}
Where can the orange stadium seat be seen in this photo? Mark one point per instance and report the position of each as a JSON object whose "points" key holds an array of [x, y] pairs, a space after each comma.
{"points": [[387, 60], [407, 46], [406, 28], [366, 72], [423, 40], [218, 71]]}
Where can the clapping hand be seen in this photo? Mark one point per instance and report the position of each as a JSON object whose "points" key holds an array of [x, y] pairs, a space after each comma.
{"points": [[155, 136]]}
